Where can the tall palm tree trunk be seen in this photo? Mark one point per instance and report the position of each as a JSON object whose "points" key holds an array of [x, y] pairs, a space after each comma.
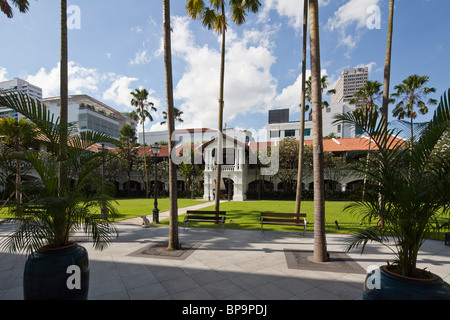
{"points": [[173, 227], [221, 106], [387, 65], [145, 158], [63, 89], [387, 81], [320, 248], [298, 199]]}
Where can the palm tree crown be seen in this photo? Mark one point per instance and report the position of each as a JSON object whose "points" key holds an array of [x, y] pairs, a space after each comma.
{"points": [[6, 8], [213, 19], [412, 92], [368, 96], [141, 103]]}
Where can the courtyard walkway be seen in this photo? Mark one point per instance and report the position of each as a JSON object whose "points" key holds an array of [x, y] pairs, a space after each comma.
{"points": [[223, 265]]}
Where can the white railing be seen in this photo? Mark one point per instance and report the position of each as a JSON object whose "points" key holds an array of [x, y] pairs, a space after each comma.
{"points": [[225, 168]]}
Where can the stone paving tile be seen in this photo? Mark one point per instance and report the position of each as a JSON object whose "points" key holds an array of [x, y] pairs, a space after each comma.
{"points": [[197, 293], [148, 292], [179, 284], [222, 289]]}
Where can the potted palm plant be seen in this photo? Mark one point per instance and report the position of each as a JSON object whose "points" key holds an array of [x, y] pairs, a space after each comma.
{"points": [[54, 210], [407, 191]]}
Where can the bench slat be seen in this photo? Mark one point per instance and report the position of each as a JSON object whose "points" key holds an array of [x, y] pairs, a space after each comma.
{"points": [[277, 214], [204, 216], [205, 212], [296, 221], [277, 218]]}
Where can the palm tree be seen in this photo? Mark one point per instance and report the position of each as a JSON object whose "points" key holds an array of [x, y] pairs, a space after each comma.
{"points": [[127, 150], [414, 196], [177, 115], [141, 103], [215, 18], [324, 84], [366, 99], [174, 243], [320, 249], [298, 197], [6, 8], [387, 66], [56, 212], [17, 134], [64, 91], [412, 92], [368, 96]]}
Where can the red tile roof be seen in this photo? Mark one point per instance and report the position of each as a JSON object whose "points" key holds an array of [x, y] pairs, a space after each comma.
{"points": [[330, 145]]}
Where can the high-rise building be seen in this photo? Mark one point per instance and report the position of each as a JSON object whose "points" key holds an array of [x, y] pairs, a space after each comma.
{"points": [[350, 81], [21, 86]]}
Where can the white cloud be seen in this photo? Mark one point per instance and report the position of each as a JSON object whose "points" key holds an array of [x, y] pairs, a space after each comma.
{"points": [[290, 97], [3, 74], [119, 91], [48, 81], [88, 81], [292, 9], [249, 85], [141, 57], [353, 13], [81, 80], [372, 67]]}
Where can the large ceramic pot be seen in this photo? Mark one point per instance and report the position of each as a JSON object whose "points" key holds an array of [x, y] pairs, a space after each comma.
{"points": [[382, 284], [57, 274]]}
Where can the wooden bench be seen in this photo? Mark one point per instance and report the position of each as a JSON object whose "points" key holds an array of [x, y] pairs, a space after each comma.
{"points": [[285, 219], [204, 216]]}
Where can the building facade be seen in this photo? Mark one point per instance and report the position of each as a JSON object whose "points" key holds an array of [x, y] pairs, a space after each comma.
{"points": [[192, 135], [350, 81], [284, 128], [23, 87], [91, 115]]}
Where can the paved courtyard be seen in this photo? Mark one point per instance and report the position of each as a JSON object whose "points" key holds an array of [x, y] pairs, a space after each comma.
{"points": [[223, 265]]}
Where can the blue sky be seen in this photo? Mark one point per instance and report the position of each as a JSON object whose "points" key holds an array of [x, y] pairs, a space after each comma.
{"points": [[118, 49]]}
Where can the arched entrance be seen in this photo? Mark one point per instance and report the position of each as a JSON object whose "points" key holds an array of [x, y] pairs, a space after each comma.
{"points": [[229, 188]]}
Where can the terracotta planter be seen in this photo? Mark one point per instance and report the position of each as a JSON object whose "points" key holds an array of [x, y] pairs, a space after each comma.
{"points": [[57, 274], [386, 285]]}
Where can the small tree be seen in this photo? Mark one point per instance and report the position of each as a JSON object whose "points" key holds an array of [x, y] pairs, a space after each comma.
{"points": [[17, 134]]}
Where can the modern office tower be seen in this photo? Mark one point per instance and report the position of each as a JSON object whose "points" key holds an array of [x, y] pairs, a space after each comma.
{"points": [[91, 114], [350, 81], [22, 86]]}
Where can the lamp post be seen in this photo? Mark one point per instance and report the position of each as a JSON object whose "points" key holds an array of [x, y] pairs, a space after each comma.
{"points": [[156, 149]]}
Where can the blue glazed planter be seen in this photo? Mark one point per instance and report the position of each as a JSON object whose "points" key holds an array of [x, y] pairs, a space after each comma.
{"points": [[57, 274], [395, 287]]}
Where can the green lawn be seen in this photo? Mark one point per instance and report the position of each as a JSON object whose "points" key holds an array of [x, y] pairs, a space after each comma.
{"points": [[246, 215], [131, 208]]}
